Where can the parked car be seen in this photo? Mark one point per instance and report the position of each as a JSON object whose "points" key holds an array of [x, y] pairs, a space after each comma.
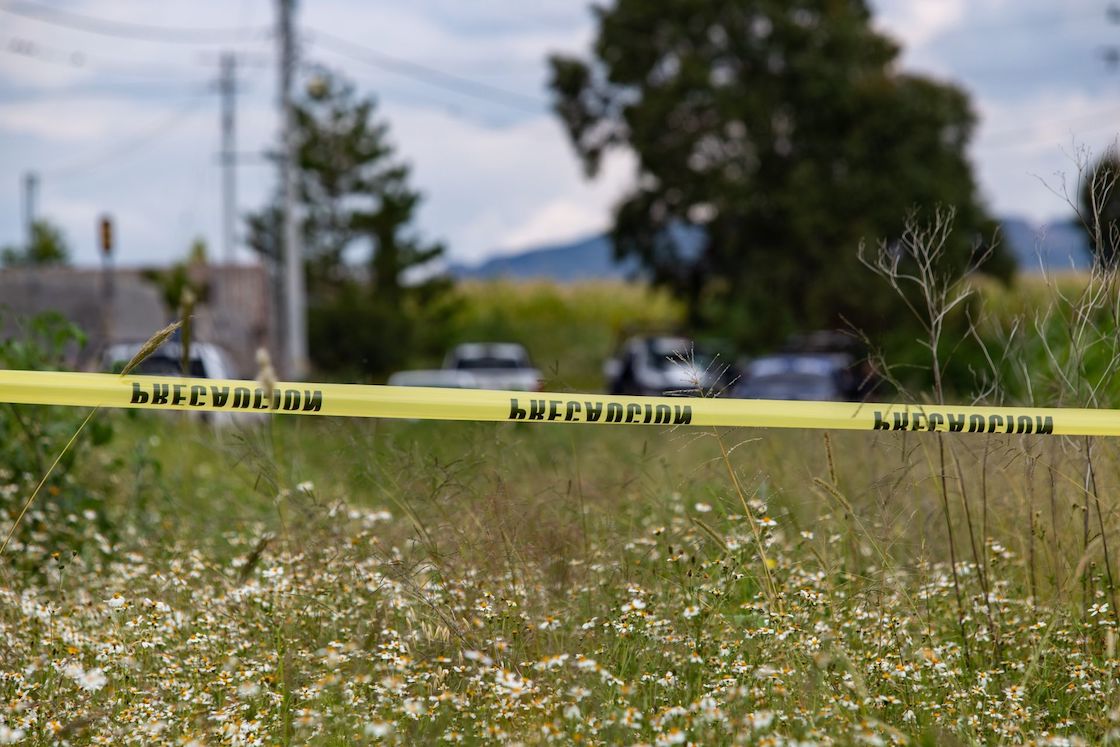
{"points": [[436, 377], [207, 361], [799, 376], [495, 365], [478, 365], [664, 365]]}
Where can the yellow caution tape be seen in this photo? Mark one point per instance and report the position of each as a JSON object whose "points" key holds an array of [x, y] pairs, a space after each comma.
{"points": [[421, 403]]}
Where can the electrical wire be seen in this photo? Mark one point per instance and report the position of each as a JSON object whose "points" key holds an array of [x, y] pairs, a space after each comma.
{"points": [[131, 143], [425, 73], [135, 31], [36, 51], [91, 92]]}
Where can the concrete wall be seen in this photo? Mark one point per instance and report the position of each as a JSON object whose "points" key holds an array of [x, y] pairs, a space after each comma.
{"points": [[237, 316]]}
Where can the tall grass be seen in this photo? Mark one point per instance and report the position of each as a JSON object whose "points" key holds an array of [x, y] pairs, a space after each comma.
{"points": [[342, 582], [419, 582]]}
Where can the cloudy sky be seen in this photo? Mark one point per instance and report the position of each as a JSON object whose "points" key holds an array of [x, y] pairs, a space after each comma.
{"points": [[116, 116]]}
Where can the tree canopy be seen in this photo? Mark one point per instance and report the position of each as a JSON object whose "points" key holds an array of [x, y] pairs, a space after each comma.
{"points": [[369, 278], [48, 247], [782, 131], [1099, 207]]}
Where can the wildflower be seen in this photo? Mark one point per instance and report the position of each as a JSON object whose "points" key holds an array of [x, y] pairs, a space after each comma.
{"points": [[578, 693], [513, 685], [691, 611], [8, 735], [709, 708], [634, 604], [551, 662], [248, 689], [92, 680], [306, 487], [377, 729], [115, 602], [766, 521], [478, 656], [582, 662], [702, 508], [759, 720], [673, 736]]}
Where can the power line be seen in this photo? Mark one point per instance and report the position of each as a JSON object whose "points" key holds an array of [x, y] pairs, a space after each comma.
{"points": [[427, 74], [79, 60], [128, 30], [87, 92], [132, 142]]}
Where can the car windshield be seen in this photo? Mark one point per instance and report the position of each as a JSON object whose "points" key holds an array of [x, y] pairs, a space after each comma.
{"points": [[162, 365], [665, 354], [792, 364], [790, 386], [488, 362]]}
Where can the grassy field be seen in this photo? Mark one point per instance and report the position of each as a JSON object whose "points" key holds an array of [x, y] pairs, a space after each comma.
{"points": [[336, 582], [331, 582], [568, 329]]}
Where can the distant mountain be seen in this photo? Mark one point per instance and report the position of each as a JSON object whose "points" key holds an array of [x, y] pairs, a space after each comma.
{"points": [[1060, 245], [586, 259]]}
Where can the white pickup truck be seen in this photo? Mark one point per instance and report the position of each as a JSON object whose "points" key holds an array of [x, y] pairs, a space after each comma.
{"points": [[478, 365]]}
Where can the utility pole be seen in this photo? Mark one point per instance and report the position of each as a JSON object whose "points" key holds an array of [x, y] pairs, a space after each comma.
{"points": [[227, 86], [30, 187], [295, 316]]}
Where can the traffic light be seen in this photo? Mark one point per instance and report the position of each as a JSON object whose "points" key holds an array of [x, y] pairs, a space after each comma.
{"points": [[105, 232]]}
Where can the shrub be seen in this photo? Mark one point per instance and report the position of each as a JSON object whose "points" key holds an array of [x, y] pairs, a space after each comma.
{"points": [[32, 437]]}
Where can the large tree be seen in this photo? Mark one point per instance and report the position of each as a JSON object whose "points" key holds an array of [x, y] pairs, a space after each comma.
{"points": [[785, 135], [370, 286], [1099, 208]]}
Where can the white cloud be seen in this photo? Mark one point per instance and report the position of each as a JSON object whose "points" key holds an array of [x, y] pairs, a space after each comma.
{"points": [[555, 221], [916, 22], [80, 120], [502, 185], [1027, 151], [578, 212]]}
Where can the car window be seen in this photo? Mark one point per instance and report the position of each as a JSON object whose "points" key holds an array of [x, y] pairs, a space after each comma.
{"points": [[488, 361], [793, 364], [162, 365], [791, 386], [665, 354]]}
